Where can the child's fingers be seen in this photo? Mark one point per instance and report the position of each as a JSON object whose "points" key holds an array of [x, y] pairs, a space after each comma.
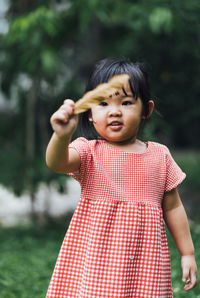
{"points": [[59, 116], [64, 112], [185, 273], [67, 111], [63, 121], [191, 281], [68, 107], [69, 101]]}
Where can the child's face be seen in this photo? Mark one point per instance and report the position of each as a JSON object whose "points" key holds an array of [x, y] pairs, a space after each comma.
{"points": [[117, 118]]}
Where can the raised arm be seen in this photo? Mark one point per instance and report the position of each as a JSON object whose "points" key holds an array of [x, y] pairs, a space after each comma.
{"points": [[58, 157], [177, 223]]}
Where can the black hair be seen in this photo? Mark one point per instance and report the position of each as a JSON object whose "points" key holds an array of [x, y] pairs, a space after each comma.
{"points": [[102, 72]]}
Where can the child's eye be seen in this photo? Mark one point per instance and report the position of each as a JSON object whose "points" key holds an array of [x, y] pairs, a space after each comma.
{"points": [[103, 103], [127, 102]]}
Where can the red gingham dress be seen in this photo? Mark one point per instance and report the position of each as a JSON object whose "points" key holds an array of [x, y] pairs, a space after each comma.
{"points": [[116, 243]]}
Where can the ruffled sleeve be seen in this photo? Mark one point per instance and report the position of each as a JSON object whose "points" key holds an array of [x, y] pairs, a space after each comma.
{"points": [[81, 145], [174, 174]]}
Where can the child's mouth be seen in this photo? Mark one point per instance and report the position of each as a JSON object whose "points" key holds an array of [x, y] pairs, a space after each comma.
{"points": [[115, 125]]}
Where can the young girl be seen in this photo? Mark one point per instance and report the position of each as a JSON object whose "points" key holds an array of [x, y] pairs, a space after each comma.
{"points": [[116, 244]]}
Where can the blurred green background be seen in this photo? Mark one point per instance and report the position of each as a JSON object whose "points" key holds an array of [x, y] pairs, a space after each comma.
{"points": [[47, 50]]}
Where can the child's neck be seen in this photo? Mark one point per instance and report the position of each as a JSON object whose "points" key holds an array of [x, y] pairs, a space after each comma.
{"points": [[135, 145]]}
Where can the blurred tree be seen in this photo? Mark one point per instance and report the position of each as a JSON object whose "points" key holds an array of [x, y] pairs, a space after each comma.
{"points": [[48, 52], [31, 64]]}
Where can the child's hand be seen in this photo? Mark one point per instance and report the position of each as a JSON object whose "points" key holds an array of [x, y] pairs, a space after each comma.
{"points": [[189, 269], [63, 121]]}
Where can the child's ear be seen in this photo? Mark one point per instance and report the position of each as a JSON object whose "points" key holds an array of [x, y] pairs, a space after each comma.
{"points": [[151, 108]]}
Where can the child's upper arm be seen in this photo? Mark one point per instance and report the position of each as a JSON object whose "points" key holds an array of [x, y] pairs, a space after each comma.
{"points": [[79, 157], [74, 161], [171, 200]]}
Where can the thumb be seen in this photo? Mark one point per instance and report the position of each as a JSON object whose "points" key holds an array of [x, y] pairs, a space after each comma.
{"points": [[185, 274]]}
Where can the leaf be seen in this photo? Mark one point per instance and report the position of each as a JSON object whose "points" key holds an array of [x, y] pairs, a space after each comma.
{"points": [[49, 60], [161, 19], [101, 92]]}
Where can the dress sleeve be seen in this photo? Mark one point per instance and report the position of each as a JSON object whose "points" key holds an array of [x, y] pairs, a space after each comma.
{"points": [[174, 174], [81, 145]]}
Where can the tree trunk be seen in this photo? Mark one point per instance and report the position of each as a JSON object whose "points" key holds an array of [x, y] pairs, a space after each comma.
{"points": [[30, 143]]}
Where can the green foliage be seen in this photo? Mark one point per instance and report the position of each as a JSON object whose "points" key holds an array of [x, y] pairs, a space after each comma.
{"points": [[32, 35], [189, 162], [161, 20], [42, 19]]}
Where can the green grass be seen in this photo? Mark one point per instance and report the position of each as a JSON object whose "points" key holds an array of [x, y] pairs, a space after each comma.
{"points": [[28, 257]]}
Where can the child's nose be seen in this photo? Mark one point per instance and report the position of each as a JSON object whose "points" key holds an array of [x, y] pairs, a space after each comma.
{"points": [[115, 111]]}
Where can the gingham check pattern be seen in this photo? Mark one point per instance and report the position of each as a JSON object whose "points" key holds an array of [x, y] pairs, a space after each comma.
{"points": [[116, 244]]}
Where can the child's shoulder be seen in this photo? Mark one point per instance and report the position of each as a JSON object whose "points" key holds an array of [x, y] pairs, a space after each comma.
{"points": [[82, 140], [84, 143], [158, 147]]}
